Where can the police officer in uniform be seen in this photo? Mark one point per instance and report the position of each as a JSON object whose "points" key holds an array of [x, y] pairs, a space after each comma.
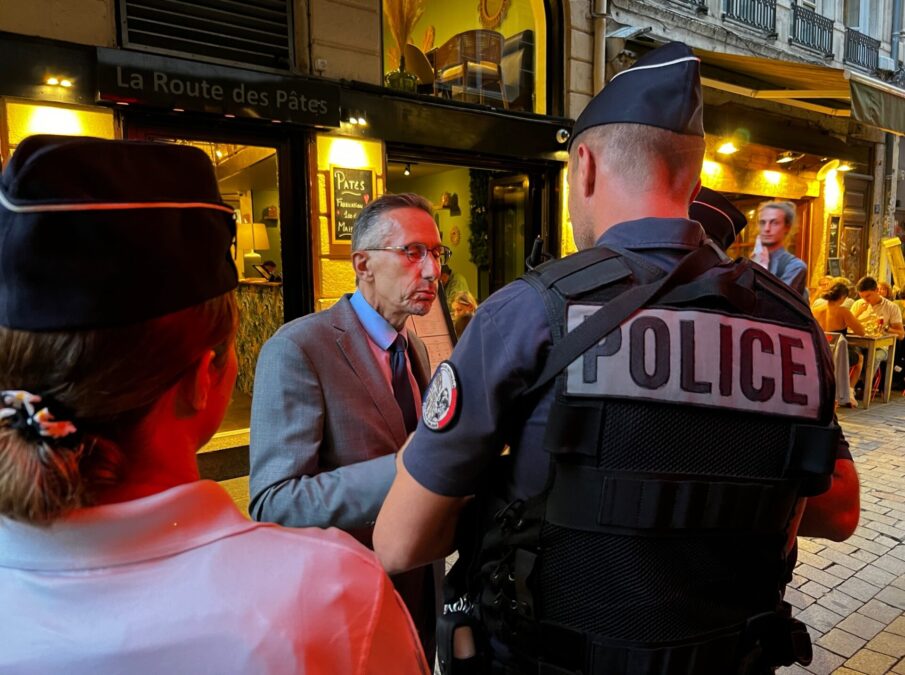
{"points": [[669, 422], [721, 221]]}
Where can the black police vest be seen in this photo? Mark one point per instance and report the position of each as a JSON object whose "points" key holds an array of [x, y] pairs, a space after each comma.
{"points": [[680, 446]]}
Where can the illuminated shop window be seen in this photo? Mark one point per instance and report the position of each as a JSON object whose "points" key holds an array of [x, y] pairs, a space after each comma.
{"points": [[22, 118], [491, 52]]}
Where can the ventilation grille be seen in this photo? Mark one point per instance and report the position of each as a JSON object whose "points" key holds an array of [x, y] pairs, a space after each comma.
{"points": [[250, 32]]}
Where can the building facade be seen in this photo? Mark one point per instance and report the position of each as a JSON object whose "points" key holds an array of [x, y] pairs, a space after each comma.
{"points": [[803, 99], [309, 109]]}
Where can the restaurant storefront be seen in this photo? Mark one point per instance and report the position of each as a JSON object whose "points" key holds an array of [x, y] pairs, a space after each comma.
{"points": [[297, 157]]}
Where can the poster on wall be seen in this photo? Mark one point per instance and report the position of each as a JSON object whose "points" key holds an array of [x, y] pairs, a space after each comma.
{"points": [[353, 189]]}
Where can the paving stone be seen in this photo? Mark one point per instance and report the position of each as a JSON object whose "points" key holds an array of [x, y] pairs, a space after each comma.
{"points": [[841, 546], [814, 560], [875, 575], [878, 518], [794, 669], [899, 582], [842, 643], [880, 611], [863, 555], [846, 671], [797, 599], [888, 643], [839, 571], [810, 545], [890, 564], [874, 508], [819, 617], [898, 552], [892, 596], [842, 559], [892, 534], [899, 667], [858, 588], [814, 589], [824, 661], [839, 602], [866, 543], [860, 625], [819, 576], [870, 662], [897, 626]]}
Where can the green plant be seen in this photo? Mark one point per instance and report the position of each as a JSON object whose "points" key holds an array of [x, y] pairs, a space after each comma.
{"points": [[479, 239]]}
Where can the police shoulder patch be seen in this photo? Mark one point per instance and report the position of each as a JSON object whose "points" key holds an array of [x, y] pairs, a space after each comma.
{"points": [[441, 400]]}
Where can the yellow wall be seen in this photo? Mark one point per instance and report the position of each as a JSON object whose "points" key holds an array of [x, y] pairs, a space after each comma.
{"points": [[333, 264]]}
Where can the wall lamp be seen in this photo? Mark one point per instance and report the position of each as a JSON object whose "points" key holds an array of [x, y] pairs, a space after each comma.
{"points": [[788, 157]]}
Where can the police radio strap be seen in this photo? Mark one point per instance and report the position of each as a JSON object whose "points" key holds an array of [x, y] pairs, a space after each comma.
{"points": [[612, 314]]}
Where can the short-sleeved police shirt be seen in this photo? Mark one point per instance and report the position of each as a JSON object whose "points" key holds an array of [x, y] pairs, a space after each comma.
{"points": [[499, 357]]}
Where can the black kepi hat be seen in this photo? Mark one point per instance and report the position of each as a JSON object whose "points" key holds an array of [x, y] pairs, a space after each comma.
{"points": [[98, 233], [661, 89], [720, 219]]}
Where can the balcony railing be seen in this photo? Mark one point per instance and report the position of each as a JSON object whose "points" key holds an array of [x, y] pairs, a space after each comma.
{"points": [[810, 29], [861, 50], [759, 14]]}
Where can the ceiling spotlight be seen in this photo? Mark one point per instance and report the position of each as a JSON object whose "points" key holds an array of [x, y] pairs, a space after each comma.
{"points": [[66, 83], [362, 121], [52, 81], [408, 170], [727, 148], [845, 166], [788, 157]]}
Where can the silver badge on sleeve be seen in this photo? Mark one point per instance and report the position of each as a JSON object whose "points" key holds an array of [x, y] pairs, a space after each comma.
{"points": [[441, 401]]}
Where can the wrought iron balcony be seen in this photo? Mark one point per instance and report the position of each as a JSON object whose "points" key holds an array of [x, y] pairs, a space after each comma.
{"points": [[810, 29], [861, 50], [758, 14]]}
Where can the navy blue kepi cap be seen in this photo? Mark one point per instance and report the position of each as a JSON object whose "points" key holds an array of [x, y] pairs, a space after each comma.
{"points": [[98, 233], [661, 89], [720, 219]]}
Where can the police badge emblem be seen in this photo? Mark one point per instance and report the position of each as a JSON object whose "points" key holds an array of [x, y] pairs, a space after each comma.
{"points": [[441, 401]]}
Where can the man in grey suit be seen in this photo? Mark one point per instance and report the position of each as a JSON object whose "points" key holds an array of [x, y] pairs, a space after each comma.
{"points": [[337, 392]]}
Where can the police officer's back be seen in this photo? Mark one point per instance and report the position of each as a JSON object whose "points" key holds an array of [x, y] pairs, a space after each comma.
{"points": [[644, 517]]}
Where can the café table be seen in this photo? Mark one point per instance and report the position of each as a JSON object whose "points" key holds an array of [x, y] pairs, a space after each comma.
{"points": [[871, 344]]}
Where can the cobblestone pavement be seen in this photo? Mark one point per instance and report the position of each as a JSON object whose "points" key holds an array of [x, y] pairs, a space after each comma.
{"points": [[852, 594]]}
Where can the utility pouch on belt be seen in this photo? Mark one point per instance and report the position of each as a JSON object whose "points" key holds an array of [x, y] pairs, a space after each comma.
{"points": [[472, 662]]}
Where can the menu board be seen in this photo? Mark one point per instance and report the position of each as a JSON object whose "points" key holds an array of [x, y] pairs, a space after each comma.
{"points": [[352, 190], [833, 229]]}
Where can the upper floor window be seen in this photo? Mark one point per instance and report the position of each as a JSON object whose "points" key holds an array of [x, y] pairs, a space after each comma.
{"points": [[254, 32], [857, 16], [490, 51]]}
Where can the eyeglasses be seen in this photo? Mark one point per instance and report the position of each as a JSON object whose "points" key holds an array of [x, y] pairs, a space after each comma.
{"points": [[417, 252]]}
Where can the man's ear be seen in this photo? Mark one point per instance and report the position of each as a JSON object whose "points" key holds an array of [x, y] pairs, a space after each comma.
{"points": [[198, 381], [587, 171], [361, 263]]}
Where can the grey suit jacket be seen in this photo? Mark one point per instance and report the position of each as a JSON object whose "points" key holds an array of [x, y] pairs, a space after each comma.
{"points": [[324, 424]]}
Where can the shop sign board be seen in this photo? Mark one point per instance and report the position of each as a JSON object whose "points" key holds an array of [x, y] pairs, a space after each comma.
{"points": [[176, 84]]}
